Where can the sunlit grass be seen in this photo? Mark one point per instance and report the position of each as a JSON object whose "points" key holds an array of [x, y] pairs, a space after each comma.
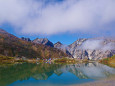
{"points": [[65, 60], [109, 61]]}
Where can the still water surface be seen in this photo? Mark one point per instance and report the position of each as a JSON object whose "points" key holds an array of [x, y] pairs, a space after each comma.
{"points": [[53, 74]]}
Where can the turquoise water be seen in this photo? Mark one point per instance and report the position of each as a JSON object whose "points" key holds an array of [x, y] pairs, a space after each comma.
{"points": [[52, 74]]}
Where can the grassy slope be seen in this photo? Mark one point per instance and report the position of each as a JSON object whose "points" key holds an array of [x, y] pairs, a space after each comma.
{"points": [[109, 61]]}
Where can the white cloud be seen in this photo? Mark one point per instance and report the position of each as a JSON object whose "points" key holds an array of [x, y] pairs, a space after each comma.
{"points": [[97, 44], [38, 17]]}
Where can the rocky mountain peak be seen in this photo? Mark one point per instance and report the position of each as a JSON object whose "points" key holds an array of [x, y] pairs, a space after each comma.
{"points": [[43, 41], [58, 44]]}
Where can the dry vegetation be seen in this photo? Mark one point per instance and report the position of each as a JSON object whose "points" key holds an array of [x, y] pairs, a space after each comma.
{"points": [[109, 61], [65, 60]]}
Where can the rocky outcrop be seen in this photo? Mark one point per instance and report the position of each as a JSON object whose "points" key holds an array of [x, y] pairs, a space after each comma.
{"points": [[43, 41], [26, 39]]}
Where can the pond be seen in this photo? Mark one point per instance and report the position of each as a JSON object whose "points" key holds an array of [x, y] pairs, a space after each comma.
{"points": [[46, 74]]}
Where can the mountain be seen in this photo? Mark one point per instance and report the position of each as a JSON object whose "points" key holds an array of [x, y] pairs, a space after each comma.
{"points": [[11, 45], [93, 49], [26, 39], [43, 41], [62, 47], [58, 45]]}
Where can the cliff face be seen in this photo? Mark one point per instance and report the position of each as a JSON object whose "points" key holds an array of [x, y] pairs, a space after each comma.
{"points": [[92, 49]]}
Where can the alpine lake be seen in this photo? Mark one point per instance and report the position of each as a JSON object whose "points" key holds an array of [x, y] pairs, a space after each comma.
{"points": [[50, 74]]}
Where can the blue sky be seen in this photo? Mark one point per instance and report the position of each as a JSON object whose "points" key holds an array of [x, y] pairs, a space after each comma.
{"points": [[65, 38], [58, 20]]}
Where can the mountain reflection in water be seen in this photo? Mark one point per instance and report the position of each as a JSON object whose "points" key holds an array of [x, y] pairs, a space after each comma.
{"points": [[53, 73]]}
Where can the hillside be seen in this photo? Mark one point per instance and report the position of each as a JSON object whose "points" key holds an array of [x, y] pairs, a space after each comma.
{"points": [[11, 45]]}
